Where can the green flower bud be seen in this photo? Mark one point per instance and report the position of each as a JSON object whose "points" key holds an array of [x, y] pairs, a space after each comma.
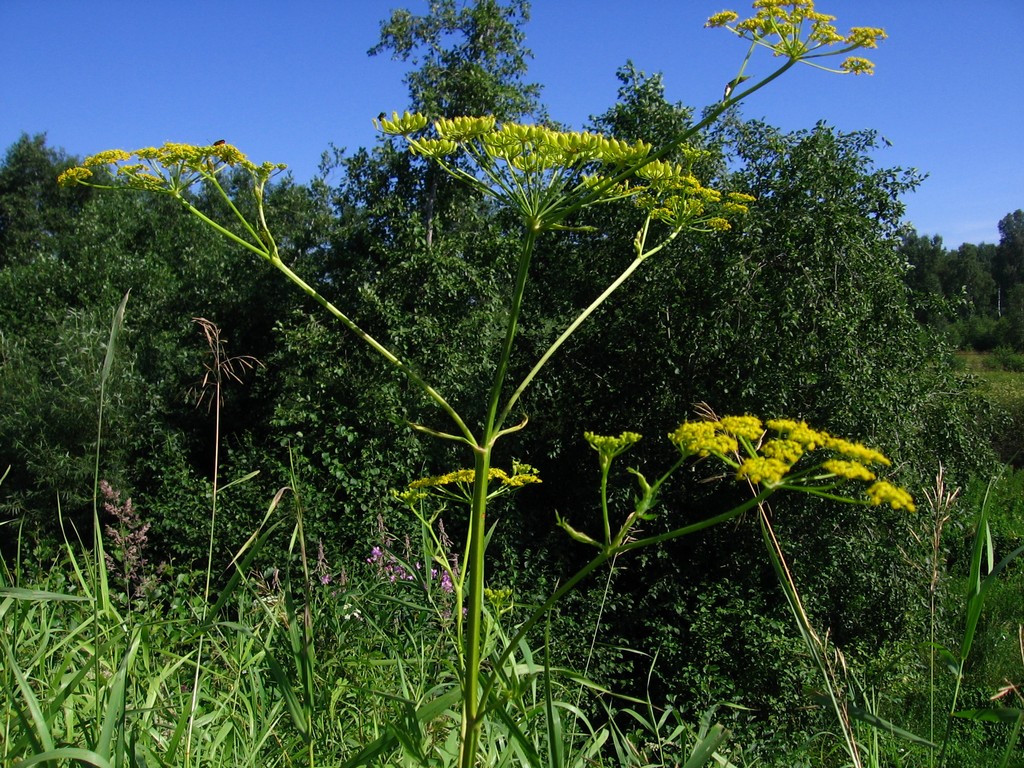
{"points": [[401, 126]]}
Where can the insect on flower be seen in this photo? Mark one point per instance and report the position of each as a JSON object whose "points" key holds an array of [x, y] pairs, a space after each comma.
{"points": [[219, 143]]}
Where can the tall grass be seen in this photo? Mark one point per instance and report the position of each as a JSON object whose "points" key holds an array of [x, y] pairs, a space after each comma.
{"points": [[303, 666]]}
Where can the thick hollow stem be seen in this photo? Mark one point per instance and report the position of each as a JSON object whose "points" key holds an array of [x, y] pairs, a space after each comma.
{"points": [[471, 706]]}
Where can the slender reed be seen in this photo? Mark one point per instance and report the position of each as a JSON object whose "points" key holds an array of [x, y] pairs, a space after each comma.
{"points": [[219, 369]]}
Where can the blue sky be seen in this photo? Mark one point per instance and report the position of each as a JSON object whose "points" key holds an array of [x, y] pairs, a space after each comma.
{"points": [[283, 80]]}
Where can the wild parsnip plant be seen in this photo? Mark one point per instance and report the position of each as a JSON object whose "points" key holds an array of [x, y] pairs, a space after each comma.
{"points": [[547, 177]]}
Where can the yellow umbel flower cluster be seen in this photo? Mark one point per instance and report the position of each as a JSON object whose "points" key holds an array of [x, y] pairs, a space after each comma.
{"points": [[522, 474], [677, 198], [458, 485], [792, 28], [610, 446], [702, 438], [546, 174], [887, 493], [170, 168], [767, 459]]}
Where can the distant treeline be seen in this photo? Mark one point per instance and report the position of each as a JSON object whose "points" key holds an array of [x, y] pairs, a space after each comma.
{"points": [[975, 294]]}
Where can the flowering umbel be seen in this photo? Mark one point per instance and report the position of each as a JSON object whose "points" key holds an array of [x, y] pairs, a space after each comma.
{"points": [[546, 174], [170, 168], [777, 455], [795, 30], [459, 483]]}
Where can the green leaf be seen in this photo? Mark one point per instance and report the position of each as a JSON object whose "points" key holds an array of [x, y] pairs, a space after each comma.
{"points": [[42, 727], [865, 716], [115, 704], [68, 753], [21, 593], [707, 747], [992, 715]]}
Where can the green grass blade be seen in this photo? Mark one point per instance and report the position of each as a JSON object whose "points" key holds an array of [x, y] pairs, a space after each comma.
{"points": [[251, 548], [1001, 565], [115, 708], [239, 480], [866, 716], [36, 595], [705, 749], [78, 754], [975, 593], [371, 753], [1011, 743], [991, 715], [115, 331], [40, 735], [291, 700]]}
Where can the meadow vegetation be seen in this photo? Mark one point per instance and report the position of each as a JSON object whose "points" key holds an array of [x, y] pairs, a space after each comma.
{"points": [[470, 495]]}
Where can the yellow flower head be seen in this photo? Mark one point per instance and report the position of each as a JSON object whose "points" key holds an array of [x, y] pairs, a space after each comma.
{"points": [[856, 451], [865, 37], [523, 474], [434, 148], [458, 476], [172, 167], [401, 126], [883, 492], [851, 470], [786, 451], [76, 175], [722, 19], [611, 446], [799, 432], [461, 129], [792, 28], [701, 438], [856, 65], [108, 157], [758, 469], [748, 427], [410, 496]]}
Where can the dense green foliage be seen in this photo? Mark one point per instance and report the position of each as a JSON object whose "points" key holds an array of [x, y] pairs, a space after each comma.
{"points": [[975, 294], [818, 306]]}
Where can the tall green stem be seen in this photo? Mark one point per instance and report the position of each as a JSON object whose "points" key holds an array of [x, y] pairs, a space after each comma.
{"points": [[471, 709], [471, 700], [493, 421]]}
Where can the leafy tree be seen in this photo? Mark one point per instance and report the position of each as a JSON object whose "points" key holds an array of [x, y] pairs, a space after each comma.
{"points": [[927, 260], [1008, 266], [48, 426], [969, 279], [1014, 317], [33, 209], [468, 60]]}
